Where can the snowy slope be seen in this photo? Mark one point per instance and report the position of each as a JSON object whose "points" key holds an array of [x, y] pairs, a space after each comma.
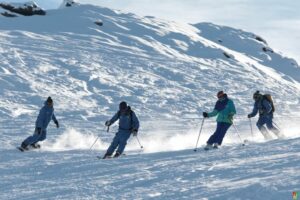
{"points": [[258, 171], [169, 73], [129, 58]]}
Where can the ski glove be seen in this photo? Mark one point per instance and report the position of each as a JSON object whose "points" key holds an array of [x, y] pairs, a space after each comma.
{"points": [[205, 115], [107, 123], [57, 124], [249, 116], [134, 132], [38, 130]]}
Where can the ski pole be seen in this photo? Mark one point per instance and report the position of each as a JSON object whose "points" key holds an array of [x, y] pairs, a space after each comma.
{"points": [[199, 134], [94, 142], [237, 132], [97, 139], [251, 128], [276, 126], [139, 142]]}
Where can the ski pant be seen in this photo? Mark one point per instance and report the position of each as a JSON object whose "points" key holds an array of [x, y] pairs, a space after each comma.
{"points": [[35, 137], [120, 141], [219, 134], [268, 120]]}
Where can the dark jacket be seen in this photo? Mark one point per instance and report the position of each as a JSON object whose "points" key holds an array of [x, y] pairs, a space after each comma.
{"points": [[45, 116], [128, 120], [263, 107]]}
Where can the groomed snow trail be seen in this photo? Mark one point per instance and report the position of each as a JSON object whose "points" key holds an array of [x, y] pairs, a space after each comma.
{"points": [[257, 171]]}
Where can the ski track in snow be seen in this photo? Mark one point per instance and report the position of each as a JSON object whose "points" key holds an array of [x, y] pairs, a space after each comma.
{"points": [[169, 73], [255, 171]]}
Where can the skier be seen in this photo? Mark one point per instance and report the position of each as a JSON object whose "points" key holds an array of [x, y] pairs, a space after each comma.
{"points": [[225, 110], [128, 124], [43, 119], [265, 108]]}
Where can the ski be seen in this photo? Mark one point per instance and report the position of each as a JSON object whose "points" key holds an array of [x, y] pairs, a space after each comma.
{"points": [[22, 149], [29, 148], [109, 157], [209, 149], [101, 158]]}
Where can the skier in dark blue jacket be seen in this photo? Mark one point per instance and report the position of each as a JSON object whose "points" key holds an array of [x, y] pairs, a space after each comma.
{"points": [[45, 116], [265, 109], [128, 124]]}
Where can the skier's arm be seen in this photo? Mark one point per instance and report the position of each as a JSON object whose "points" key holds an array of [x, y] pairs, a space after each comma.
{"points": [[213, 113], [54, 118], [135, 122], [114, 119], [254, 111], [232, 109]]}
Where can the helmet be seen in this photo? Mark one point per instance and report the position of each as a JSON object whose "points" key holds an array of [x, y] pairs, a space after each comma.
{"points": [[220, 94], [49, 100], [256, 95], [123, 105]]}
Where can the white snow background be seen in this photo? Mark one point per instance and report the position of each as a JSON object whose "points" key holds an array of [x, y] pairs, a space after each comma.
{"points": [[169, 73]]}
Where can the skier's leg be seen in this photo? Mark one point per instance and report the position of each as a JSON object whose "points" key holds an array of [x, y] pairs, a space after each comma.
{"points": [[223, 130], [113, 145], [123, 142], [270, 126], [31, 139], [43, 135], [260, 125], [260, 122], [213, 137]]}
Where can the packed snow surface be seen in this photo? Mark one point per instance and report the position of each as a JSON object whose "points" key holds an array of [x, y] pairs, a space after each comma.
{"points": [[169, 73]]}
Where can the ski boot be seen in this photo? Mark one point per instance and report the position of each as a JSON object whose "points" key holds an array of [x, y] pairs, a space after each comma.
{"points": [[208, 147], [215, 146], [117, 154], [35, 146], [107, 155], [23, 147]]}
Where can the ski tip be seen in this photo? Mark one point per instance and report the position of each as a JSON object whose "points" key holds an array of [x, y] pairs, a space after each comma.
{"points": [[20, 149], [102, 158]]}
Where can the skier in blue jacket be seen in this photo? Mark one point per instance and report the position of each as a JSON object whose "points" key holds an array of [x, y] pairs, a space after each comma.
{"points": [[265, 109], [128, 124], [45, 116]]}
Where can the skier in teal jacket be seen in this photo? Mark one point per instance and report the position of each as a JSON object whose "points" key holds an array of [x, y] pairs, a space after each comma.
{"points": [[225, 110]]}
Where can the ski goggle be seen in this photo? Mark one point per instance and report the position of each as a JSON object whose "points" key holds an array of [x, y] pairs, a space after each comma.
{"points": [[220, 95], [256, 96]]}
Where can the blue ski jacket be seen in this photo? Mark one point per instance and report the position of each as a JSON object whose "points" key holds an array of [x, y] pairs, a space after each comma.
{"points": [[128, 121], [262, 106], [45, 116]]}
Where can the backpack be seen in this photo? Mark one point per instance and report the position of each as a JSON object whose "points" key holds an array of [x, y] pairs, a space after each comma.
{"points": [[269, 98]]}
